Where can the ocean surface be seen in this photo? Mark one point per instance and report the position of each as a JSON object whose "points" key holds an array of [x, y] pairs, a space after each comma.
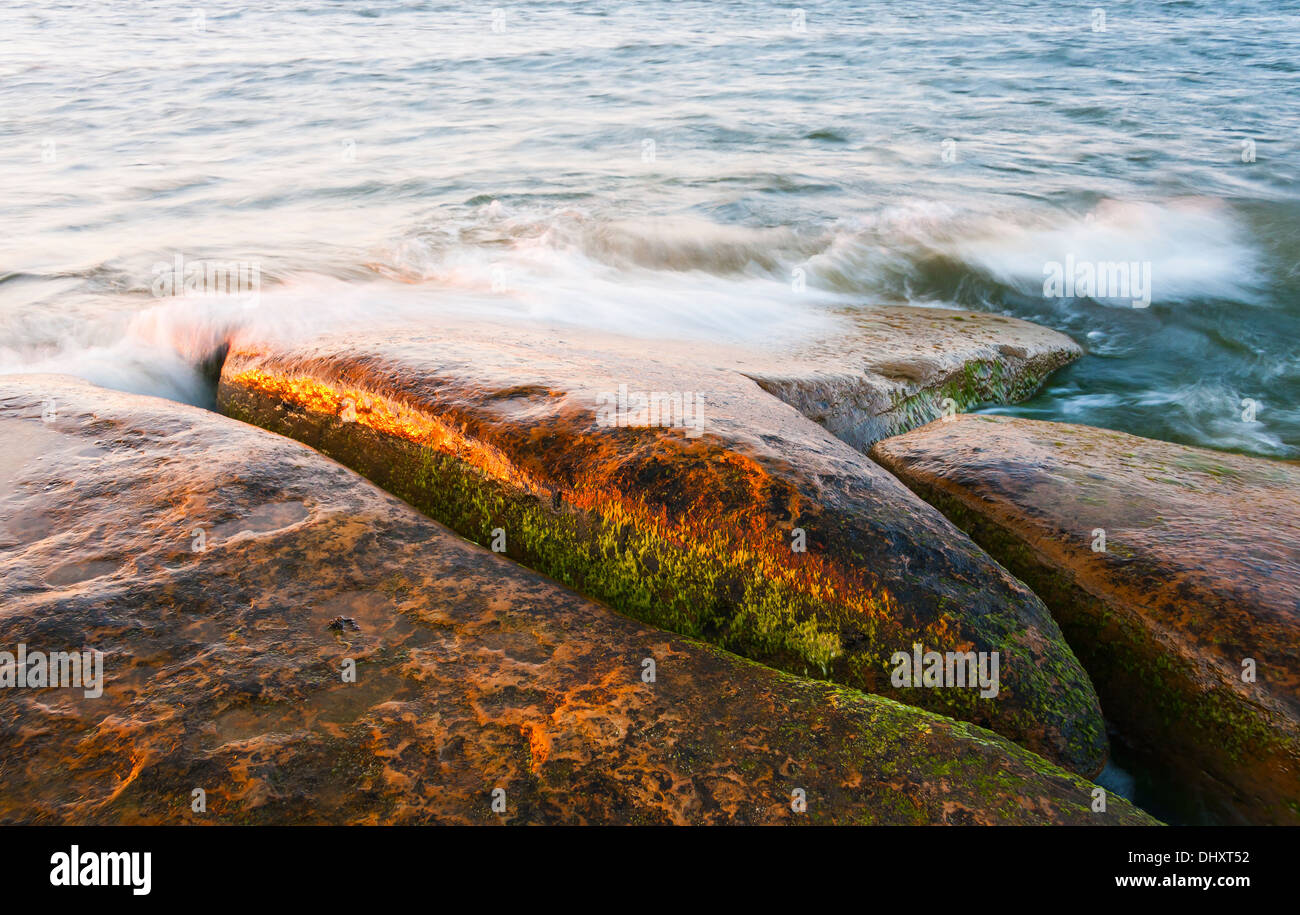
{"points": [[738, 171]]}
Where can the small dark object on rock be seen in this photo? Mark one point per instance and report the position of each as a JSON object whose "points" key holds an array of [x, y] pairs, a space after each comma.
{"points": [[344, 623]]}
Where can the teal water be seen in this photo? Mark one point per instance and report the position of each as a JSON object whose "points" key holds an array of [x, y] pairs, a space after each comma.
{"points": [[702, 170]]}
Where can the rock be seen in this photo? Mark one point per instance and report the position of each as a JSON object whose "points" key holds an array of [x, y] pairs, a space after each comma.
{"points": [[1200, 571], [756, 529], [224, 698], [897, 366]]}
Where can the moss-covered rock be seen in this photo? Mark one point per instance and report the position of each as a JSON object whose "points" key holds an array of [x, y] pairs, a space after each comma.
{"points": [[224, 658], [1187, 615], [762, 533]]}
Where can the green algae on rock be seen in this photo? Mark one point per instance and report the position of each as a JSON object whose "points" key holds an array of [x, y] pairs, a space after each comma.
{"points": [[765, 534], [224, 678], [900, 367], [1187, 617]]}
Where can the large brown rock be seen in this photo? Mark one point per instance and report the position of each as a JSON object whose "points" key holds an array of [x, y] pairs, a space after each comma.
{"points": [[758, 531], [222, 672], [1197, 584]]}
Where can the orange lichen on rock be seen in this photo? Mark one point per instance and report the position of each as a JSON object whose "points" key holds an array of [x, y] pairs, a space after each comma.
{"points": [[763, 534], [224, 674], [697, 468]]}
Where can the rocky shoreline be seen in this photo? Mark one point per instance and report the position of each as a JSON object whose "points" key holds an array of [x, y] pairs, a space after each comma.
{"points": [[494, 429], [775, 577]]}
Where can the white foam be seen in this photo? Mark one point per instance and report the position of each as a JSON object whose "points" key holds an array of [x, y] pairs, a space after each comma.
{"points": [[1195, 247], [684, 278]]}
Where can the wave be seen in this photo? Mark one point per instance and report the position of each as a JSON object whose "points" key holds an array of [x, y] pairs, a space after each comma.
{"points": [[1197, 248], [690, 278]]}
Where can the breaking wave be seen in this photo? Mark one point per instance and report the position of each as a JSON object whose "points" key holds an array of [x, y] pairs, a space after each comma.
{"points": [[690, 278]]}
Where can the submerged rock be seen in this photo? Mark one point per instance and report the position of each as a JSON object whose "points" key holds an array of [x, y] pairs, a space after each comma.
{"points": [[205, 559], [1174, 571], [737, 520]]}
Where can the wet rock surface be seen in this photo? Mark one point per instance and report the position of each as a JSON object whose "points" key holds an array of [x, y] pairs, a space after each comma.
{"points": [[1187, 615], [901, 367], [754, 529], [207, 561]]}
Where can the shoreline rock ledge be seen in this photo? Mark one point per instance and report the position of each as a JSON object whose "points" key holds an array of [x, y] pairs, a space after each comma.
{"points": [[893, 368], [1174, 572], [224, 658], [758, 530]]}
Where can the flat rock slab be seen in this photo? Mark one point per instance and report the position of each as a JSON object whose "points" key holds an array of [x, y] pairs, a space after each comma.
{"points": [[224, 657], [754, 529], [900, 367], [1198, 584]]}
